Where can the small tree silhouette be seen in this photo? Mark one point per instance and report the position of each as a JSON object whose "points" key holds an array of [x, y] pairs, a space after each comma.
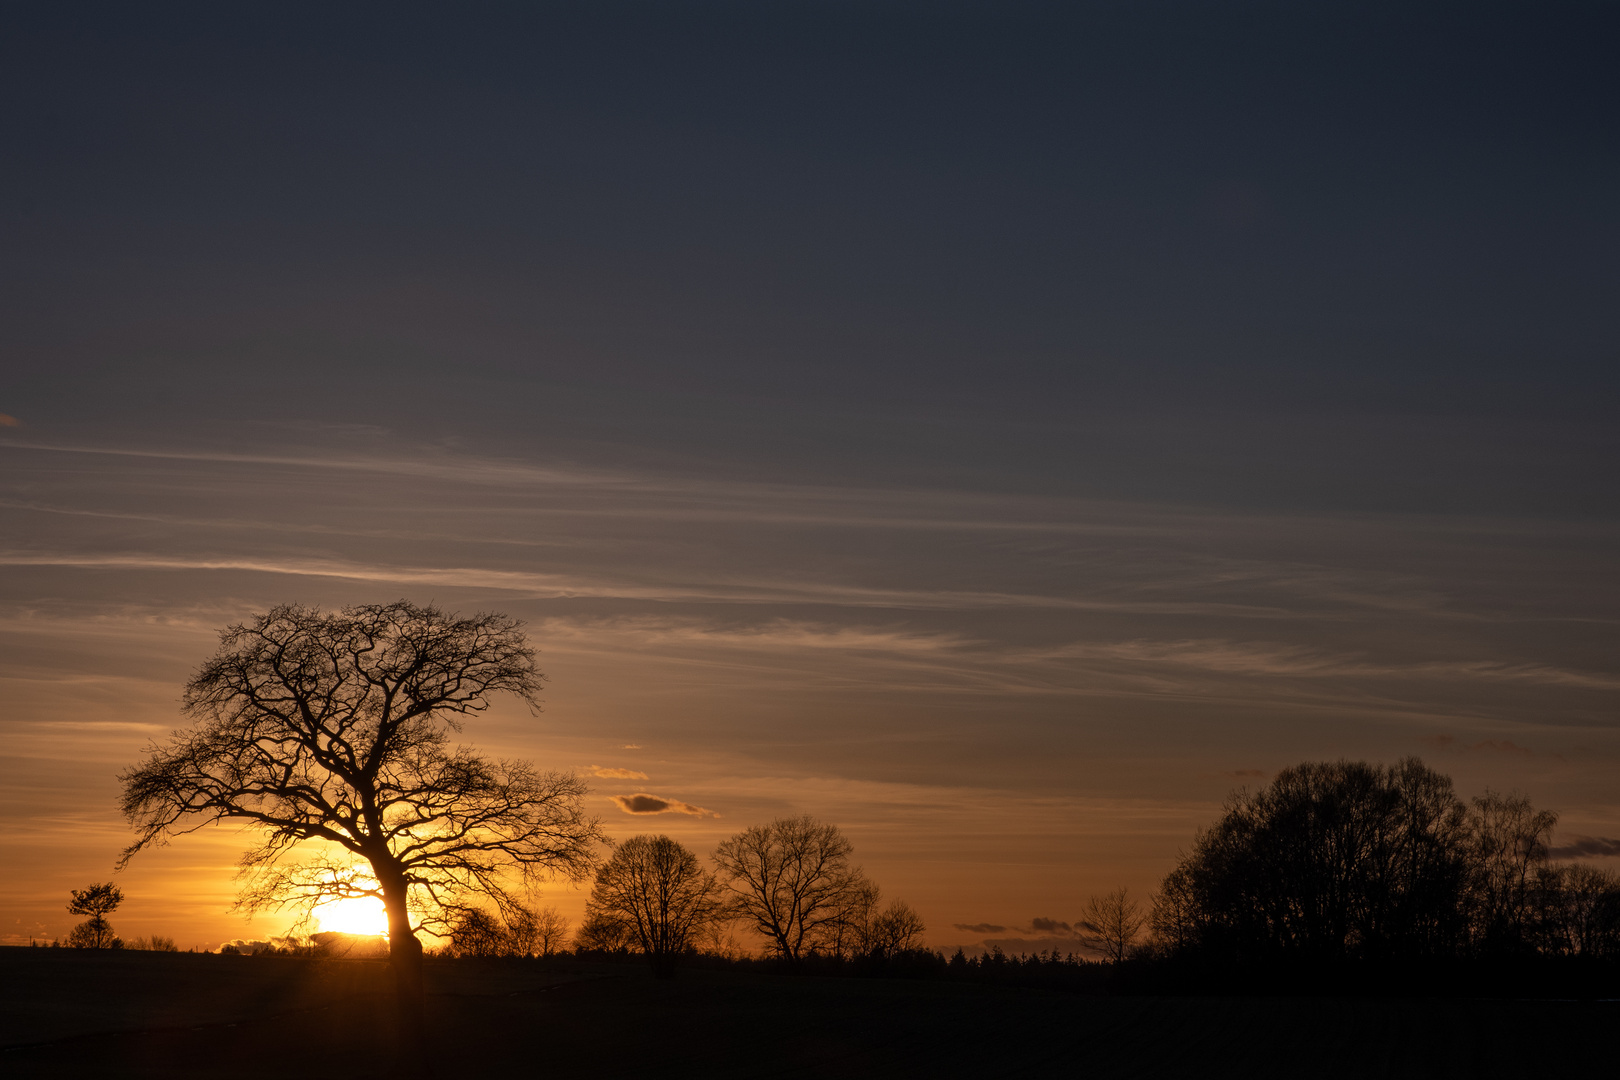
{"points": [[895, 930], [96, 901], [550, 931], [1112, 924]]}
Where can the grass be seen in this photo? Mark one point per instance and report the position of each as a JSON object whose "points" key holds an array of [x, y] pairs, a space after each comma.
{"points": [[66, 1013]]}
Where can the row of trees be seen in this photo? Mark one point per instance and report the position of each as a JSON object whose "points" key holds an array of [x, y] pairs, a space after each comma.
{"points": [[1352, 861], [791, 882], [524, 931], [335, 736]]}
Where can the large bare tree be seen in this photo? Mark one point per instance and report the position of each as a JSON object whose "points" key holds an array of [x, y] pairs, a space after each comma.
{"points": [[793, 883], [334, 731]]}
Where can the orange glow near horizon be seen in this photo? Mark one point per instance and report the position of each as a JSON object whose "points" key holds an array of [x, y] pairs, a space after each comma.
{"points": [[354, 915]]}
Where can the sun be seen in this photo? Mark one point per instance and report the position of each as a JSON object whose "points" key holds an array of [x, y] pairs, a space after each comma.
{"points": [[355, 915]]}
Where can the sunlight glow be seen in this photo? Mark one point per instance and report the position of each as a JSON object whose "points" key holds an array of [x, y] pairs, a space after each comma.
{"points": [[358, 915]]}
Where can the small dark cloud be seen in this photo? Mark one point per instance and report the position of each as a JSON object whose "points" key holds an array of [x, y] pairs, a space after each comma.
{"points": [[1586, 847], [1247, 774], [1049, 926], [979, 928], [643, 803], [1439, 742]]}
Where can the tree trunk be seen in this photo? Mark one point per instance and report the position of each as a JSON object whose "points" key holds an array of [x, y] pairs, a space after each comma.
{"points": [[405, 958]]}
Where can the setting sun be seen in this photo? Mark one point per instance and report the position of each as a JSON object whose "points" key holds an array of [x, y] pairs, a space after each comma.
{"points": [[356, 915]]}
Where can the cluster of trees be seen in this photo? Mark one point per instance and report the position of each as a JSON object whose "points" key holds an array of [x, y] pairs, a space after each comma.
{"points": [[519, 930], [336, 732], [1352, 861], [791, 883]]}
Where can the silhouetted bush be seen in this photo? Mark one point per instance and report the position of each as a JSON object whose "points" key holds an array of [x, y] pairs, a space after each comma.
{"points": [[155, 943]]}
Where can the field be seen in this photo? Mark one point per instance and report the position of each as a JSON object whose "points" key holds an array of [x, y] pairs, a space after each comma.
{"points": [[70, 1014]]}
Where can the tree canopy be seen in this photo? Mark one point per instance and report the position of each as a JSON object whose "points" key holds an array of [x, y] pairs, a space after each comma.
{"points": [[1346, 860], [1331, 860], [335, 731]]}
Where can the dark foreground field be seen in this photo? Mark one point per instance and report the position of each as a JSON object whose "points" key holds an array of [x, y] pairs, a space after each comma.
{"points": [[72, 1014]]}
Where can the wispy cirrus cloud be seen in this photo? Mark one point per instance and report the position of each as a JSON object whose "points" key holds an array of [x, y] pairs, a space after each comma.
{"points": [[781, 634], [1224, 656], [537, 584]]}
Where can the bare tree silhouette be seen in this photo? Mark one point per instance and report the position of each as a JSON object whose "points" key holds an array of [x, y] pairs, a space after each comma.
{"points": [[97, 901], [550, 931], [792, 882], [476, 932], [333, 730], [1577, 911], [515, 930], [604, 931], [661, 897], [1509, 844], [1111, 924], [849, 935], [894, 930]]}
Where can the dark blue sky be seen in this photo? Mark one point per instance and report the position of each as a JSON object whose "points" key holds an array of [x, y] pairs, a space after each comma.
{"points": [[1193, 251], [999, 429]]}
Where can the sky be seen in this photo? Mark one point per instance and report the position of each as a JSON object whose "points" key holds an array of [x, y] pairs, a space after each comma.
{"points": [[1000, 430]]}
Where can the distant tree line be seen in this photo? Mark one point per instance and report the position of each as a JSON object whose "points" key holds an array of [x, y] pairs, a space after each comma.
{"points": [[1332, 867]]}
